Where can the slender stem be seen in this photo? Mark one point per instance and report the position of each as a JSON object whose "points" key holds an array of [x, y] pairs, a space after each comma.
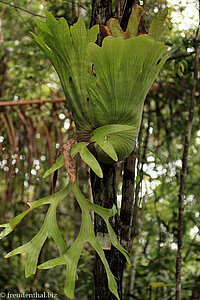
{"points": [[22, 9], [27, 102], [184, 168]]}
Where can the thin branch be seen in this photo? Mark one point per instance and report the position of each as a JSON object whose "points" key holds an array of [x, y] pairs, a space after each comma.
{"points": [[189, 248], [138, 185], [30, 102], [1, 19], [180, 56], [23, 21], [11, 166], [78, 4], [49, 142], [8, 132], [12, 128], [22, 9], [134, 296], [184, 166], [28, 132]]}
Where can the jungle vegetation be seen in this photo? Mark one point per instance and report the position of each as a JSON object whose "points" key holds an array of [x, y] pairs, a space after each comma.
{"points": [[157, 184]]}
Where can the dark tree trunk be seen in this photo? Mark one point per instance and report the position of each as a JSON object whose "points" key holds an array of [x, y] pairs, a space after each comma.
{"points": [[104, 190], [101, 13], [128, 195], [126, 11], [104, 194]]}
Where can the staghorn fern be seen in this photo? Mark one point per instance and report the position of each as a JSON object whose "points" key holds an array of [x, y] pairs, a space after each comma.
{"points": [[105, 88], [69, 257]]}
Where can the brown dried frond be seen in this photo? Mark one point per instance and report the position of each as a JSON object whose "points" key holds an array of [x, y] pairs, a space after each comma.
{"points": [[68, 160]]}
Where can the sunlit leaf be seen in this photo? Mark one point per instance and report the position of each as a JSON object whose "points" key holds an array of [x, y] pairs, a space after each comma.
{"points": [[134, 20], [114, 28], [91, 161], [137, 179], [156, 154]]}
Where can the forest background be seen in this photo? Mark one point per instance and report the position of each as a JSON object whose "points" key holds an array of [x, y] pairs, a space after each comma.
{"points": [[32, 134]]}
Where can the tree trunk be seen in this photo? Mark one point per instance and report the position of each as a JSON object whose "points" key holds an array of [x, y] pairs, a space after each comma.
{"points": [[104, 190], [104, 194]]}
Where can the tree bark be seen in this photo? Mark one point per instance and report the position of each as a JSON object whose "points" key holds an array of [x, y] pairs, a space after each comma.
{"points": [[128, 194], [101, 13], [126, 11], [104, 190], [104, 194], [74, 12]]}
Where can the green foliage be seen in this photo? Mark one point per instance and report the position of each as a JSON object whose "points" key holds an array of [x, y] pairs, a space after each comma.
{"points": [[87, 157], [71, 256], [157, 27], [155, 243], [105, 88], [104, 85], [114, 28], [57, 165], [66, 48], [134, 20]]}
